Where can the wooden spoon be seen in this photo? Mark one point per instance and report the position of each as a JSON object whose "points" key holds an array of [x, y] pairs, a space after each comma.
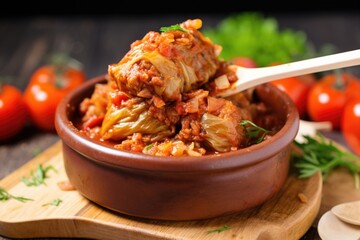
{"points": [[348, 212], [250, 77]]}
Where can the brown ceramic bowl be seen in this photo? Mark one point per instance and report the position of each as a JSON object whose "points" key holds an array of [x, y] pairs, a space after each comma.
{"points": [[177, 188]]}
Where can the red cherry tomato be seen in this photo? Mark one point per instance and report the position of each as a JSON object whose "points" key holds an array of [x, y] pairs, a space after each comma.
{"points": [[298, 91], [47, 86], [327, 98], [13, 114], [350, 123]]}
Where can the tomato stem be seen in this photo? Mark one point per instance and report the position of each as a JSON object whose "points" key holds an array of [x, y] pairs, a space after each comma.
{"points": [[64, 59], [339, 80], [62, 63], [59, 59], [59, 76]]}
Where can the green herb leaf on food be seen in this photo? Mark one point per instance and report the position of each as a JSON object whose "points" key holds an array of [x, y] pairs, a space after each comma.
{"points": [[173, 28], [148, 147], [253, 131]]}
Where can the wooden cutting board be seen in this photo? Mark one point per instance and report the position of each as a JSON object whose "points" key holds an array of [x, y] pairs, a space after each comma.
{"points": [[285, 216]]}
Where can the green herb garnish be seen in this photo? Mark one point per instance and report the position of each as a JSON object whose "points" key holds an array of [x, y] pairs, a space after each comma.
{"points": [[5, 195], [253, 131], [173, 28], [319, 154], [220, 229], [148, 147], [38, 176], [55, 202]]}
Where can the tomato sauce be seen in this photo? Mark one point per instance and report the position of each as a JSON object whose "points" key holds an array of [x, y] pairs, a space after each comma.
{"points": [[159, 99]]}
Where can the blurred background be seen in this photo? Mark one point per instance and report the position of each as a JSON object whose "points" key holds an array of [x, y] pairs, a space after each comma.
{"points": [[100, 34]]}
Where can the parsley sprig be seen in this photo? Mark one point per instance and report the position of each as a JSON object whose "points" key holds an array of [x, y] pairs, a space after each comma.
{"points": [[253, 131], [318, 154], [5, 195], [173, 28], [38, 176]]}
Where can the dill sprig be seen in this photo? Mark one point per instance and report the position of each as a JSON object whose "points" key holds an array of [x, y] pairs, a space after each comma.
{"points": [[253, 131], [318, 154], [5, 195]]}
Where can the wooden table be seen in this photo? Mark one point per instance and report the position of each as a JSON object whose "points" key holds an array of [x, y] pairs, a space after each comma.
{"points": [[97, 41]]}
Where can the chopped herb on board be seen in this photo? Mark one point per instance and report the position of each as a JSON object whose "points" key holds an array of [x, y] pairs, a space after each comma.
{"points": [[56, 202], [318, 154], [38, 176], [173, 28], [220, 229], [5, 195]]}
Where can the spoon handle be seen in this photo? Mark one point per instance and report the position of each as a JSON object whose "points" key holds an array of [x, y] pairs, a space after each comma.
{"points": [[250, 77]]}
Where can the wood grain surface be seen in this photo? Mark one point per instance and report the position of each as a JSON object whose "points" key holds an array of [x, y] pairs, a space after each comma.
{"points": [[284, 216]]}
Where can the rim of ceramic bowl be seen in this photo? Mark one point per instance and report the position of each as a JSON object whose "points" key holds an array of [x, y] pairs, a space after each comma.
{"points": [[100, 152]]}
